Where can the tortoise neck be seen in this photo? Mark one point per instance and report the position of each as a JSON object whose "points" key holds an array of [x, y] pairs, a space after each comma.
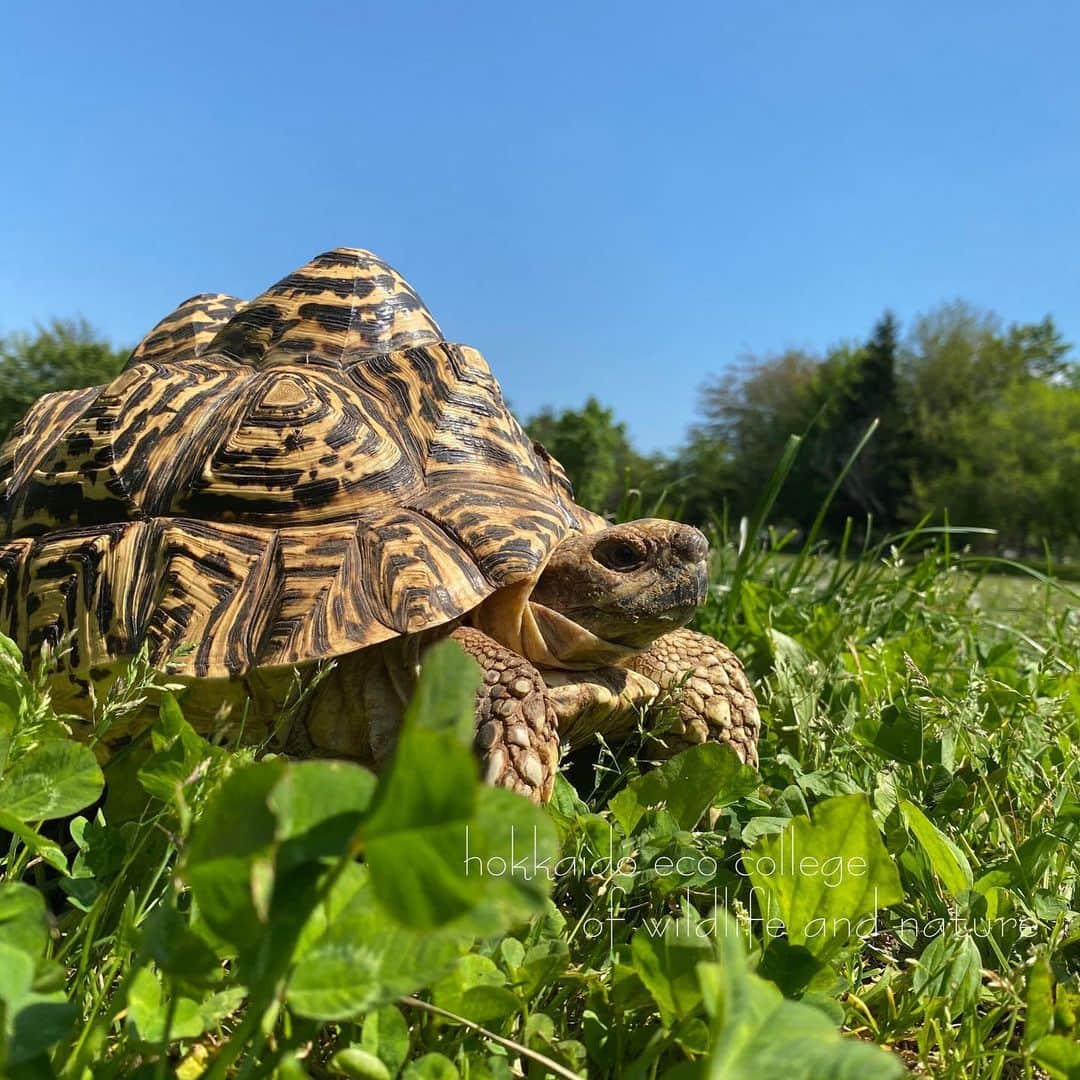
{"points": [[542, 635]]}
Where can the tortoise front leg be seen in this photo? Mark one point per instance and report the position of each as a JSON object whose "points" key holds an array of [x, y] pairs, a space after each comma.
{"points": [[712, 697], [604, 701], [517, 733], [703, 689]]}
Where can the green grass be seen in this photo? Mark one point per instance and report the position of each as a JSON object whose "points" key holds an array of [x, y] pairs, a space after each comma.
{"points": [[921, 752]]}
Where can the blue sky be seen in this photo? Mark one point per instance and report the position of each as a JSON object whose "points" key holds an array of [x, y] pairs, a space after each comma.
{"points": [[616, 199]]}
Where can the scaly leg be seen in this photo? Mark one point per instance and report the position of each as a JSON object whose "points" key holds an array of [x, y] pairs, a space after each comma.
{"points": [[704, 690], [712, 696], [517, 732], [605, 701]]}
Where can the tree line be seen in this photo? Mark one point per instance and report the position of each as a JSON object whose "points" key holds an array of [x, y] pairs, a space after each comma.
{"points": [[962, 415]]}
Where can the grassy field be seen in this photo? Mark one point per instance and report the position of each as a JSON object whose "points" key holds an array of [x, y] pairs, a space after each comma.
{"points": [[896, 887]]}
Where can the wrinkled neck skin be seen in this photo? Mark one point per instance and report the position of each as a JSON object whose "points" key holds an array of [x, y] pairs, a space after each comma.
{"points": [[543, 636]]}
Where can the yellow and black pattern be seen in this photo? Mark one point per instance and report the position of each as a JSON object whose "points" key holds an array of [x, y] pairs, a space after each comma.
{"points": [[342, 304], [185, 333], [272, 483]]}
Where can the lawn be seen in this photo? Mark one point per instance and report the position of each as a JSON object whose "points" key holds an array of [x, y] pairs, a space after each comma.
{"points": [[895, 887]]}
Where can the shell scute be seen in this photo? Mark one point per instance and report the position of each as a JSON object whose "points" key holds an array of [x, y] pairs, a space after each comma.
{"points": [[322, 598], [268, 466], [183, 334], [210, 584], [423, 575], [68, 586]]}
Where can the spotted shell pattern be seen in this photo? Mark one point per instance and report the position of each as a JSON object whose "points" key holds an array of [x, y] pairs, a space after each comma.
{"points": [[273, 482]]}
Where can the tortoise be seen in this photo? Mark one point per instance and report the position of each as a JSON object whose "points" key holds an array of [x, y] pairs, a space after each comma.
{"points": [[318, 475]]}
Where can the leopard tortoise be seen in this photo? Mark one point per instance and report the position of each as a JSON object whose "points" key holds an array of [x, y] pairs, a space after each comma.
{"points": [[317, 474]]}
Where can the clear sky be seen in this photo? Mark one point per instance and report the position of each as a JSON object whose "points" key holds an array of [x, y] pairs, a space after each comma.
{"points": [[616, 199]]}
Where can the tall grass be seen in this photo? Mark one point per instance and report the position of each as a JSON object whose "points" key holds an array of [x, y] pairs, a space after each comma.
{"points": [[220, 915]]}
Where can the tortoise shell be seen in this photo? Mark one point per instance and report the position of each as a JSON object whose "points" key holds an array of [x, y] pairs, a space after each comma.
{"points": [[273, 482]]}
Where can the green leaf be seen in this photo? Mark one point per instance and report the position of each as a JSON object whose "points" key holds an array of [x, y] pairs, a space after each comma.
{"points": [[358, 1063], [687, 784], [445, 695], [543, 964], [12, 656], [757, 1033], [42, 1021], [431, 1067], [355, 957], [823, 876], [16, 974], [666, 958], [288, 1068], [894, 734], [693, 1035], [441, 846], [235, 836], [386, 1035], [175, 949], [48, 850], [417, 837], [566, 804], [948, 861], [52, 780], [14, 691], [950, 969], [513, 851], [512, 953], [22, 918], [1059, 1056], [148, 1010], [260, 887], [476, 989], [258, 882], [103, 848], [180, 753], [318, 806], [32, 1021], [1039, 1018]]}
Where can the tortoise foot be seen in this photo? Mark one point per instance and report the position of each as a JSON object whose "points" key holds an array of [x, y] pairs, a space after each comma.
{"points": [[713, 698]]}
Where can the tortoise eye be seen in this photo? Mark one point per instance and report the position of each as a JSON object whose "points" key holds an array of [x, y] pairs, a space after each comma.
{"points": [[619, 555]]}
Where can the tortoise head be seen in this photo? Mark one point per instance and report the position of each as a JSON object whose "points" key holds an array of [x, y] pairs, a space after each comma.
{"points": [[627, 584]]}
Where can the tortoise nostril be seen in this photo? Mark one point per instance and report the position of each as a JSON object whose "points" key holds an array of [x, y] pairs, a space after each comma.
{"points": [[690, 544]]}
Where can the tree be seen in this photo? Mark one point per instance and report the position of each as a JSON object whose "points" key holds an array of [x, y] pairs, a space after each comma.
{"points": [[997, 414], [975, 418], [62, 356], [858, 386], [749, 415], [699, 479], [595, 451]]}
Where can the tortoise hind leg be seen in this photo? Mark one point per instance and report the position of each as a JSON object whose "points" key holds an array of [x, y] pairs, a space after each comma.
{"points": [[516, 729]]}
